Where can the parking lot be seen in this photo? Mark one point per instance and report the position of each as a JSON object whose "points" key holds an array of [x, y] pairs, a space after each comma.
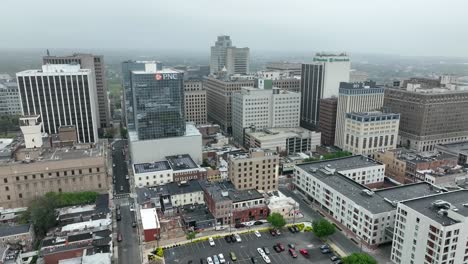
{"points": [[248, 248]]}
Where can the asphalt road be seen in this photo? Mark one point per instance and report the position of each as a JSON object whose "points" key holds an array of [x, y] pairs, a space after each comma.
{"points": [[248, 248], [129, 251], [310, 215], [119, 170]]}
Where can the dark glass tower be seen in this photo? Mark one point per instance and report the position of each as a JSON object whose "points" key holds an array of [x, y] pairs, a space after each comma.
{"points": [[158, 103]]}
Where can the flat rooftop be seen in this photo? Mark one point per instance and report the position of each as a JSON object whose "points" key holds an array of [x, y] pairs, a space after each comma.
{"points": [[181, 162], [152, 167], [196, 213], [376, 202], [346, 163], [420, 157], [8, 230], [224, 191], [158, 71], [275, 133], [458, 201], [372, 116], [174, 188], [149, 218], [460, 148]]}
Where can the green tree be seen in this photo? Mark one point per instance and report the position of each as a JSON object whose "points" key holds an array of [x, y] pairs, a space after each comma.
{"points": [[123, 133], [110, 132], [276, 220], [159, 252], [323, 228], [191, 235], [359, 258]]}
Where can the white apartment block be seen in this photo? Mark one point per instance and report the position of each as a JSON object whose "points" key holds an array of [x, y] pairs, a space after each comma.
{"points": [[263, 108], [356, 97], [369, 132], [361, 169], [152, 174], [185, 193], [432, 230], [195, 102], [369, 215]]}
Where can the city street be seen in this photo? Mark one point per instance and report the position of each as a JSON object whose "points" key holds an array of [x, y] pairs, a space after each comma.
{"points": [[119, 169], [129, 251], [248, 248]]}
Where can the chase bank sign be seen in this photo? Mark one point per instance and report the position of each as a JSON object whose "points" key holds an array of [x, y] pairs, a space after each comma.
{"points": [[166, 76]]}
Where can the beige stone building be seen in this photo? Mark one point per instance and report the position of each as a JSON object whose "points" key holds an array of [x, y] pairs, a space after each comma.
{"points": [[195, 102], [394, 167], [257, 169], [369, 132], [33, 172]]}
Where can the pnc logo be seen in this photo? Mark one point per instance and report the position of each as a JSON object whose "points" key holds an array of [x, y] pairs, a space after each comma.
{"points": [[166, 76]]}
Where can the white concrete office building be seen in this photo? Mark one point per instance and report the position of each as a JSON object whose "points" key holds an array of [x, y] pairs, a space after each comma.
{"points": [[356, 97], [432, 229], [369, 132], [321, 79], [63, 95], [263, 108]]}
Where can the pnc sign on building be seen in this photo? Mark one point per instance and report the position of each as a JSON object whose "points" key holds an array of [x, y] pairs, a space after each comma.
{"points": [[166, 76]]}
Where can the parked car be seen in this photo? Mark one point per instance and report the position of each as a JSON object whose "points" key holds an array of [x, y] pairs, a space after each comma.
{"points": [[304, 252], [238, 238], [280, 246], [293, 253], [221, 258], [215, 259], [296, 229], [119, 217], [211, 241], [233, 238], [233, 256], [126, 177], [324, 246], [134, 224], [258, 223], [190, 262], [278, 233], [338, 262], [325, 251], [209, 260], [292, 246], [253, 259], [228, 238], [238, 225], [291, 229], [260, 251], [334, 258], [266, 259], [257, 233], [119, 237], [266, 250], [201, 261], [272, 232], [276, 248]]}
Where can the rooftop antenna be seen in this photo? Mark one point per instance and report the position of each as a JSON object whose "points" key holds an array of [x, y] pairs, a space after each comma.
{"points": [[48, 53]]}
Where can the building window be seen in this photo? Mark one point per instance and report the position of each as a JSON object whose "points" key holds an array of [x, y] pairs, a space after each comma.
{"points": [[5, 180], [7, 188], [20, 195]]}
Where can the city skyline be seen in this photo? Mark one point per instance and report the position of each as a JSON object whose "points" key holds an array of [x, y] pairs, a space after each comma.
{"points": [[409, 31]]}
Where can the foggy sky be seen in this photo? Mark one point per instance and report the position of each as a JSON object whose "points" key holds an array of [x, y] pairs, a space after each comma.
{"points": [[406, 27]]}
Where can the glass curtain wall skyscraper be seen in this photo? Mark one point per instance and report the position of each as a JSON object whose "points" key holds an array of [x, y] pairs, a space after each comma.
{"points": [[157, 103]]}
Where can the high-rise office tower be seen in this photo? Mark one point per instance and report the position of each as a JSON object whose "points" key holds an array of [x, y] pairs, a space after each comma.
{"points": [[195, 102], [96, 64], [63, 95], [158, 103], [127, 68], [224, 55], [356, 97], [429, 116], [9, 98], [327, 119], [263, 108], [321, 79]]}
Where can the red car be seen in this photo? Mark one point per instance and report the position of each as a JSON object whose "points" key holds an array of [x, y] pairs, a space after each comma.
{"points": [[304, 252], [280, 246], [119, 237], [292, 252]]}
